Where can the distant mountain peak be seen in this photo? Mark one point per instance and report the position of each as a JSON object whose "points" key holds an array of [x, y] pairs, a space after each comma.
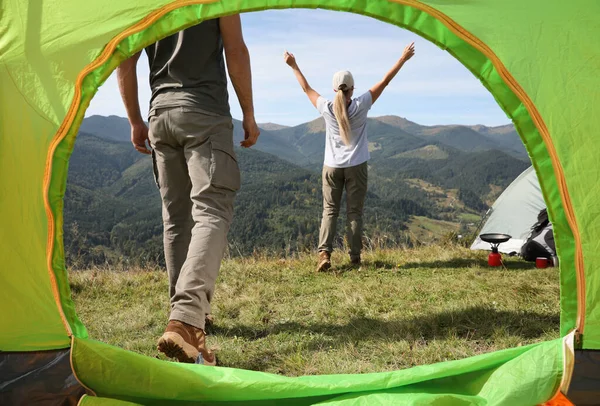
{"points": [[111, 128], [499, 130], [410, 126], [112, 116], [272, 126], [316, 126], [396, 121]]}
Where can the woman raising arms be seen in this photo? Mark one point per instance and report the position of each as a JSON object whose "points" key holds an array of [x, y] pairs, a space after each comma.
{"points": [[346, 153]]}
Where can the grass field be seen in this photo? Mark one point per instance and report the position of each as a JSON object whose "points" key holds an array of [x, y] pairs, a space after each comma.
{"points": [[424, 229], [401, 308], [470, 218]]}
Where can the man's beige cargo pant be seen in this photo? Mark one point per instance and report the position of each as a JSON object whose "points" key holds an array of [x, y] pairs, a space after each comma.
{"points": [[197, 173]]}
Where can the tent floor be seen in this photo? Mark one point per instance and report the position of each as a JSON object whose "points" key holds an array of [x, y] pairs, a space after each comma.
{"points": [[585, 383], [38, 378]]}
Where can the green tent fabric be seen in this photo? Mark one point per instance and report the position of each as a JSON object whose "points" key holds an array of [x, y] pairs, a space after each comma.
{"points": [[540, 60], [480, 380]]}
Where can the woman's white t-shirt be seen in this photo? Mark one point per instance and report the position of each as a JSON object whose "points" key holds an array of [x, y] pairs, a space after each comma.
{"points": [[337, 154]]}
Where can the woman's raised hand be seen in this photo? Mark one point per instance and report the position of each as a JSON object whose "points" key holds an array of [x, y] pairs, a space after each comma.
{"points": [[290, 59], [409, 51]]}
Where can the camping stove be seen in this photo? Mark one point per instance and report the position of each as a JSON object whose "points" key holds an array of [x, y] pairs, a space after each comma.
{"points": [[495, 239]]}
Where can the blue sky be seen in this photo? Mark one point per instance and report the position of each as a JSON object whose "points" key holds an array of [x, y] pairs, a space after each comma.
{"points": [[432, 88]]}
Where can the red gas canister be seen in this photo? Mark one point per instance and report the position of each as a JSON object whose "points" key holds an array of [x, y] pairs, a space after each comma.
{"points": [[495, 259]]}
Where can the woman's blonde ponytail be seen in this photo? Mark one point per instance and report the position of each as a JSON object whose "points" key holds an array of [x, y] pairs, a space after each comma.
{"points": [[340, 109]]}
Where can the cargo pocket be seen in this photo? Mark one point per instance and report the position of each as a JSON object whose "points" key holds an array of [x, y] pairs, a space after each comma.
{"points": [[155, 168], [224, 169]]}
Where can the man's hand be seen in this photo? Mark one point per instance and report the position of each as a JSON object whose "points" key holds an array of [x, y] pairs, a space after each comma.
{"points": [[251, 132], [409, 51], [290, 59], [139, 136]]}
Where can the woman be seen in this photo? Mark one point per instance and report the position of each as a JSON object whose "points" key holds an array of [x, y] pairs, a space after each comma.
{"points": [[346, 153]]}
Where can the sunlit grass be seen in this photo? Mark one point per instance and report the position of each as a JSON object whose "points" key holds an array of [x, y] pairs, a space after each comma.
{"points": [[401, 308]]}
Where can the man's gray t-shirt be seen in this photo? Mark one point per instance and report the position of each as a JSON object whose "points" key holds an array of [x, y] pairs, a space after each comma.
{"points": [[187, 69]]}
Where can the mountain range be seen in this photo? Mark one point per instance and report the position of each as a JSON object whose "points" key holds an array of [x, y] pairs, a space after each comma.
{"points": [[304, 144], [424, 182]]}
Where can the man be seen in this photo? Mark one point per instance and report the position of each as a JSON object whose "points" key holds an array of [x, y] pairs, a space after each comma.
{"points": [[191, 136]]}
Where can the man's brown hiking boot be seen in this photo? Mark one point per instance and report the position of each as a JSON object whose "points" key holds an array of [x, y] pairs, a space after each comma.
{"points": [[186, 343], [324, 261]]}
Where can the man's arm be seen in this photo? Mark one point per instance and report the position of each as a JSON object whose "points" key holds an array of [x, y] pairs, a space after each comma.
{"points": [[238, 65], [313, 96], [128, 86], [376, 90]]}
